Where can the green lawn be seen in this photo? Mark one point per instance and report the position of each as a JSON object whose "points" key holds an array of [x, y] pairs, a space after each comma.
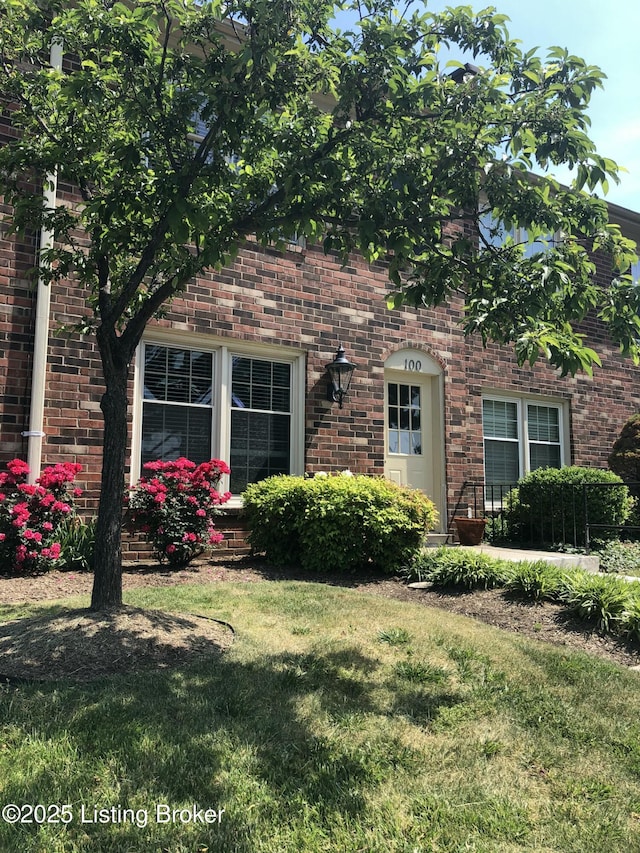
{"points": [[337, 722]]}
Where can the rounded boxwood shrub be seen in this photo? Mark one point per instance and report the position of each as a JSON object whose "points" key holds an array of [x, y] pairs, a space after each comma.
{"points": [[337, 522], [273, 509], [548, 505]]}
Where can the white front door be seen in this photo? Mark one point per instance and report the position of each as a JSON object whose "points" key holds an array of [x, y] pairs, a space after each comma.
{"points": [[414, 445], [408, 419]]}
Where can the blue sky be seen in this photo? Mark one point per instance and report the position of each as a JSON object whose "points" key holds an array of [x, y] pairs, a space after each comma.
{"points": [[603, 34]]}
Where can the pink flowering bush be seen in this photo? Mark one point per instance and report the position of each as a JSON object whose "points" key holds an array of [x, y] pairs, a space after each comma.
{"points": [[31, 515], [174, 505]]}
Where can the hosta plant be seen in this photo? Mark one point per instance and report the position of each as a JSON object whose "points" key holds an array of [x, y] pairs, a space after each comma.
{"points": [[174, 505], [459, 567], [602, 599], [537, 580]]}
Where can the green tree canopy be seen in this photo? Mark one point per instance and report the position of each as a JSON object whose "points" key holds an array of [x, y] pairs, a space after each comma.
{"points": [[188, 127]]}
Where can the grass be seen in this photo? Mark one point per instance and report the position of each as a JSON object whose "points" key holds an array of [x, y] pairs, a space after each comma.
{"points": [[337, 722]]}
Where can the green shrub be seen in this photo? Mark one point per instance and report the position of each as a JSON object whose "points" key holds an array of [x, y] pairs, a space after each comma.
{"points": [[339, 522], [549, 505], [600, 599], [622, 558], [498, 528], [273, 509], [538, 580], [457, 567]]}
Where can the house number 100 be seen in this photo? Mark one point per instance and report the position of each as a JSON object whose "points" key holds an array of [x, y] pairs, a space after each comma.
{"points": [[412, 364]]}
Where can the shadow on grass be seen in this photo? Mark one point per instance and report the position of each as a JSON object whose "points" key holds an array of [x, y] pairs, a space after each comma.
{"points": [[274, 734]]}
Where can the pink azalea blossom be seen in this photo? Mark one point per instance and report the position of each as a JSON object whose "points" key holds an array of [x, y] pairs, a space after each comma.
{"points": [[33, 534], [27, 489], [18, 468]]}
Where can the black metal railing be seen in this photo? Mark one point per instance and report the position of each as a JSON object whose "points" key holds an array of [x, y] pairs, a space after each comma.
{"points": [[569, 514]]}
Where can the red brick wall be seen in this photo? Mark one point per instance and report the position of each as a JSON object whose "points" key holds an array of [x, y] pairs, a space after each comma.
{"points": [[16, 338], [304, 300]]}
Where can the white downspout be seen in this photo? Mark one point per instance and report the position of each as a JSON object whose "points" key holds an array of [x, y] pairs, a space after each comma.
{"points": [[35, 433]]}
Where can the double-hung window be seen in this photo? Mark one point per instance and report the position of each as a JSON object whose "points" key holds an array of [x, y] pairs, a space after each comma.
{"points": [[201, 403], [519, 436], [496, 234], [177, 402]]}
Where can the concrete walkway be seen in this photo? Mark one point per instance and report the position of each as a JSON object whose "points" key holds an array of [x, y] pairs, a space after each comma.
{"points": [[589, 563]]}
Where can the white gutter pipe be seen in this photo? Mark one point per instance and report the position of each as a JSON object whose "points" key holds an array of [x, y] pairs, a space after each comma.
{"points": [[35, 433]]}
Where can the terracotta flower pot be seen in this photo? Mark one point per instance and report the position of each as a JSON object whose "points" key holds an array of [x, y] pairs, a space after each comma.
{"points": [[470, 530]]}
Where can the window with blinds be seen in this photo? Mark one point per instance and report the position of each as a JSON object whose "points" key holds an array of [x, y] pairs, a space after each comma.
{"points": [[519, 436], [177, 404], [260, 420], [189, 408]]}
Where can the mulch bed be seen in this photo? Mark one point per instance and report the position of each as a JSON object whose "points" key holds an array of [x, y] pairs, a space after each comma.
{"points": [[164, 641]]}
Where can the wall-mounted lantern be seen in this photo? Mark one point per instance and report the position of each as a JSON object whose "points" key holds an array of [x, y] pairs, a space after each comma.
{"points": [[340, 371]]}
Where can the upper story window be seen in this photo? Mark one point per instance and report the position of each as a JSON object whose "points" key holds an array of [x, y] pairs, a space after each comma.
{"points": [[519, 436], [234, 163], [494, 233]]}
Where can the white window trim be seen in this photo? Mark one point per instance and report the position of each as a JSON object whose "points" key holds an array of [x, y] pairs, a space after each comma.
{"points": [[524, 442], [223, 350]]}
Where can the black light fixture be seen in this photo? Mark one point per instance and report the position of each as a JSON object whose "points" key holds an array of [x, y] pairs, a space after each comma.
{"points": [[340, 371], [464, 73]]}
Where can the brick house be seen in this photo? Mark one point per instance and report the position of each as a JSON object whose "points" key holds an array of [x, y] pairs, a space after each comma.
{"points": [[237, 370]]}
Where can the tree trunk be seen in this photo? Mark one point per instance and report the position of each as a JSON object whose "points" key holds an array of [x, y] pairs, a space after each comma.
{"points": [[107, 559]]}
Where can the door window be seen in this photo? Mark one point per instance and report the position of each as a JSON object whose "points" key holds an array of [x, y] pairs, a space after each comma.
{"points": [[404, 411]]}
